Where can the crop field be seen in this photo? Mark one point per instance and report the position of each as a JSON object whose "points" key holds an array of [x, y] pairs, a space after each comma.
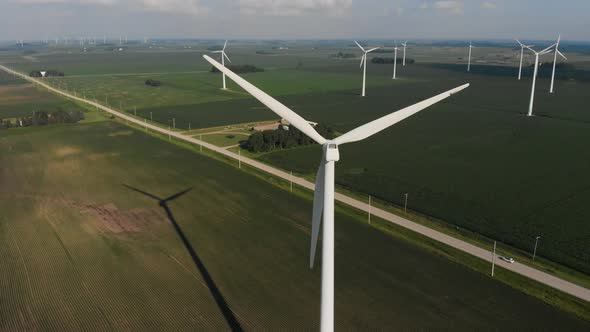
{"points": [[81, 251], [474, 161], [18, 98]]}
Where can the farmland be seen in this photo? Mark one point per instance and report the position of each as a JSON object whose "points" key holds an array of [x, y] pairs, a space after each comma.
{"points": [[473, 161], [17, 98], [111, 260]]}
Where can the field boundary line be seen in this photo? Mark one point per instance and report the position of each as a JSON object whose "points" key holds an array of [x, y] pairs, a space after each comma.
{"points": [[486, 255]]}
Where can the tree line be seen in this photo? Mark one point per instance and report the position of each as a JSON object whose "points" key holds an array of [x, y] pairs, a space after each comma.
{"points": [[400, 60], [564, 71], [284, 137], [240, 69], [49, 73], [42, 118]]}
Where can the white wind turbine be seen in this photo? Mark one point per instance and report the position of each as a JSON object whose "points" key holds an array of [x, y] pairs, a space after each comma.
{"points": [[364, 62], [405, 45], [223, 57], [537, 54], [555, 62], [323, 200], [471, 47], [522, 47], [395, 61]]}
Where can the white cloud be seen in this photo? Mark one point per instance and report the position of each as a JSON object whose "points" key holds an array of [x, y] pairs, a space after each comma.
{"points": [[192, 7], [488, 5], [293, 7], [451, 6]]}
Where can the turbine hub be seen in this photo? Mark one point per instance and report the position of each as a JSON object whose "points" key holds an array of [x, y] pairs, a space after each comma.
{"points": [[331, 151]]}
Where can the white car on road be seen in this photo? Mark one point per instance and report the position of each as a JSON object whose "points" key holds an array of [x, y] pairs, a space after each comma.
{"points": [[507, 259]]}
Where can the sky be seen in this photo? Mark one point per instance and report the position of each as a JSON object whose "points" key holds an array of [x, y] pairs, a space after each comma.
{"points": [[296, 19]]}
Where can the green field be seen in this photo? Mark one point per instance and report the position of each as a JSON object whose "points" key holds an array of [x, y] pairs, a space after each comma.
{"points": [[82, 252], [473, 161], [18, 98]]}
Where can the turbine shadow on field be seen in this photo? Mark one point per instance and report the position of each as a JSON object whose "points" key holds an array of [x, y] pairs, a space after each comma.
{"points": [[215, 292]]}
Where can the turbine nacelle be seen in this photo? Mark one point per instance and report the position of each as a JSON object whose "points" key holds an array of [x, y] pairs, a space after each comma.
{"points": [[331, 152]]}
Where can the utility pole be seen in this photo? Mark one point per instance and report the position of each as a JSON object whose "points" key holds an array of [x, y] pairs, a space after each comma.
{"points": [[145, 122], [369, 209], [201, 145], [493, 258], [135, 110], [536, 242], [174, 123], [151, 117], [406, 203], [291, 181], [189, 126], [169, 137], [240, 159]]}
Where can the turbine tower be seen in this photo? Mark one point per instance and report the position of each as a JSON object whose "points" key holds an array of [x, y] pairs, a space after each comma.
{"points": [[471, 47], [522, 47], [555, 62], [537, 54], [364, 63], [404, 45], [395, 61], [323, 200], [223, 57]]}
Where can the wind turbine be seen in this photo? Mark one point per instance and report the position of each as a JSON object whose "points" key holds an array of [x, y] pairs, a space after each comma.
{"points": [[555, 62], [537, 54], [522, 47], [323, 200], [395, 61], [364, 62], [223, 57], [404, 45], [471, 47]]}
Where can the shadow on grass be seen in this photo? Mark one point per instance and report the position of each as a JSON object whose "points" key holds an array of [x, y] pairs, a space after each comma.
{"points": [[232, 321]]}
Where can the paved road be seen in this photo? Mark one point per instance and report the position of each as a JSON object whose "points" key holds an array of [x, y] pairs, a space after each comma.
{"points": [[527, 271]]}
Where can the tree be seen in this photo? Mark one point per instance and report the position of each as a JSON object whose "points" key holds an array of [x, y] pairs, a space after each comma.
{"points": [[255, 142]]}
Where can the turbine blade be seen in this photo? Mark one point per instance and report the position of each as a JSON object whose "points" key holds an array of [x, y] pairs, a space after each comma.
{"points": [[359, 45], [548, 49], [363, 60], [561, 54], [274, 105], [318, 209], [519, 43], [225, 45], [216, 51], [175, 196], [225, 55], [373, 49], [382, 123]]}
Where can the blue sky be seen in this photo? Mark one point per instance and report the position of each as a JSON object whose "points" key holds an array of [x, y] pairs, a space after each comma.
{"points": [[289, 19]]}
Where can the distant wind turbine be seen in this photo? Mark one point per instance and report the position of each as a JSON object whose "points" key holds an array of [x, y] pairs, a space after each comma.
{"points": [[364, 63], [471, 47], [323, 200], [223, 57], [405, 45], [537, 54], [555, 62], [395, 61], [522, 47]]}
